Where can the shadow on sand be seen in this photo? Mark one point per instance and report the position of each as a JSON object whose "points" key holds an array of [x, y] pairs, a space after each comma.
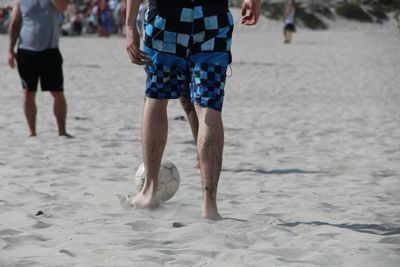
{"points": [[375, 229], [276, 171]]}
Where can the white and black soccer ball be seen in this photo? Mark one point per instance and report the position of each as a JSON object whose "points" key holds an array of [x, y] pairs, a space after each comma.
{"points": [[168, 180]]}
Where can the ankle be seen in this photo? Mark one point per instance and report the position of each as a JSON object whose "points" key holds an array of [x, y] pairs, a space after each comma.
{"points": [[211, 213]]}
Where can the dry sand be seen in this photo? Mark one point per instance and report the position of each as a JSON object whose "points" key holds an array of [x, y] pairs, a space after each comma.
{"points": [[311, 164]]}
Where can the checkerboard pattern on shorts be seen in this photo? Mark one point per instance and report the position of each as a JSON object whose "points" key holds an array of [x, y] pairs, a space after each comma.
{"points": [[189, 44], [207, 86], [185, 31]]}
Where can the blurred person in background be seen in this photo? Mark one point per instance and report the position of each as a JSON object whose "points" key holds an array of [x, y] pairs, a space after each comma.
{"points": [[104, 18], [4, 19], [289, 26], [35, 25], [73, 21]]}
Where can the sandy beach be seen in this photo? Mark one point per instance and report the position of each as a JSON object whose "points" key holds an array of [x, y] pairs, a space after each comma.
{"points": [[310, 175]]}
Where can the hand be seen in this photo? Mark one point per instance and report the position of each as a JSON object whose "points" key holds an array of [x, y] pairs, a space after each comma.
{"points": [[11, 59], [136, 55], [250, 12]]}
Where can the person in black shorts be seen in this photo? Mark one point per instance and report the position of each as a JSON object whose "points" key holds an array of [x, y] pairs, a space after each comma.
{"points": [[289, 26], [184, 39], [38, 57]]}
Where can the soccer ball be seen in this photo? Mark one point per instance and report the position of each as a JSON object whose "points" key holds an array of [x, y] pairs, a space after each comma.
{"points": [[168, 180]]}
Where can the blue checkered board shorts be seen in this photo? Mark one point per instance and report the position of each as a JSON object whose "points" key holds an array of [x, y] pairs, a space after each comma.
{"points": [[189, 49]]}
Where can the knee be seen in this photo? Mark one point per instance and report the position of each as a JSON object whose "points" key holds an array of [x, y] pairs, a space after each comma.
{"points": [[58, 95], [209, 117], [187, 104], [29, 95]]}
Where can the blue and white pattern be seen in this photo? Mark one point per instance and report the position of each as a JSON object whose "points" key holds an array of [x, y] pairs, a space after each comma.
{"points": [[190, 50]]}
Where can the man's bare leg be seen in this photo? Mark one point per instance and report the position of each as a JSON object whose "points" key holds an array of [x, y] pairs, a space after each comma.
{"points": [[285, 36], [210, 145], [191, 115], [154, 139], [60, 112], [289, 34], [30, 111]]}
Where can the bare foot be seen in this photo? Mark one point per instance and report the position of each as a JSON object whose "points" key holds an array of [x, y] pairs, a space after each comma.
{"points": [[211, 214], [32, 135], [67, 135], [140, 201], [212, 217]]}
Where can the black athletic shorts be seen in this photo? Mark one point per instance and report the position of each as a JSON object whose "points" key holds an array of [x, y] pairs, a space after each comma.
{"points": [[45, 65], [290, 27]]}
